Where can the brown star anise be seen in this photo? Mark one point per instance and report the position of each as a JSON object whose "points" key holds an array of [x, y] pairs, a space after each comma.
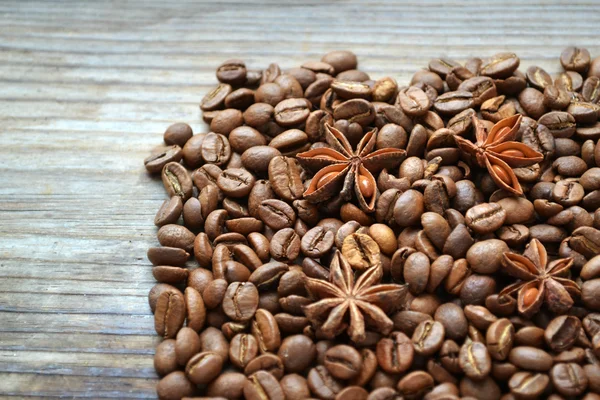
{"points": [[540, 281], [497, 151], [339, 169], [349, 303]]}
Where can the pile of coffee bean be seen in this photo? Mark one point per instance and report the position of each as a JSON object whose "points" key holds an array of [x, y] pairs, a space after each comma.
{"points": [[333, 236]]}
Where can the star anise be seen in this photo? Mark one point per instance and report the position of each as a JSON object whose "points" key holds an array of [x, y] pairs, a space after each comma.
{"points": [[497, 151], [540, 281], [339, 169], [349, 304]]}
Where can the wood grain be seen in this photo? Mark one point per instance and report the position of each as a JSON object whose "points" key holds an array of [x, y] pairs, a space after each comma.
{"points": [[86, 90]]}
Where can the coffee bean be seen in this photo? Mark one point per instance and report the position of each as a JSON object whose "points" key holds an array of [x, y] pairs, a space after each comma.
{"points": [[169, 211], [240, 301], [228, 385], [415, 384], [528, 385], [156, 162], [262, 385], [475, 360], [232, 72], [284, 176], [569, 379], [236, 182], [428, 337], [395, 354], [316, 242], [343, 362], [322, 383], [562, 332], [291, 112], [285, 245], [266, 331], [195, 309], [177, 180], [169, 314], [500, 65], [530, 358], [356, 110], [575, 59], [499, 339], [485, 218], [174, 386], [165, 360], [452, 103], [215, 99], [453, 319]]}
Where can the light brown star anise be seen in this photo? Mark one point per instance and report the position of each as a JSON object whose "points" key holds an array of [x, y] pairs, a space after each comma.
{"points": [[340, 169], [540, 281], [497, 151], [346, 304]]}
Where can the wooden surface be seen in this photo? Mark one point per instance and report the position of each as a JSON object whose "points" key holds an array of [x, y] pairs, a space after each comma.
{"points": [[86, 90]]}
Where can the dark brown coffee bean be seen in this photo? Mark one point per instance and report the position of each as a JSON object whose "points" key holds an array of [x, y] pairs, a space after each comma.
{"points": [[395, 354], [562, 332], [555, 98], [178, 134], [262, 386], [295, 387], [538, 78], [428, 338], [575, 59], [215, 149], [232, 72], [343, 362], [215, 99], [284, 176], [485, 218], [452, 103], [569, 379], [430, 78], [454, 320], [527, 385], [570, 81], [482, 88], [169, 211], [351, 90], [267, 362], [501, 65], [415, 385], [322, 383], [228, 385], [172, 235], [169, 314], [530, 358], [156, 162], [291, 112], [290, 86], [499, 339], [561, 124], [236, 182], [416, 272], [225, 121], [177, 180], [276, 214], [475, 360], [174, 386], [187, 344], [240, 301], [316, 242], [356, 110], [167, 274], [591, 89], [167, 256], [165, 360], [266, 331], [195, 309], [285, 245], [414, 102], [532, 101], [213, 340], [240, 99]]}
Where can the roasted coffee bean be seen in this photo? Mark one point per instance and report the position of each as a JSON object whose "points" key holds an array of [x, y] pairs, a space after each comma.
{"points": [[485, 218], [177, 180], [316, 242], [156, 162], [499, 339], [556, 98], [428, 338], [277, 214], [322, 383], [266, 331], [169, 314], [475, 360], [291, 112], [215, 149], [228, 385], [415, 384], [262, 385], [527, 385], [284, 176], [165, 360], [569, 379], [174, 386], [343, 362], [240, 301], [361, 251], [232, 72], [395, 354], [530, 358], [204, 367], [167, 256], [355, 110], [575, 59], [285, 245], [538, 78], [453, 319], [562, 332], [452, 103], [169, 212]]}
